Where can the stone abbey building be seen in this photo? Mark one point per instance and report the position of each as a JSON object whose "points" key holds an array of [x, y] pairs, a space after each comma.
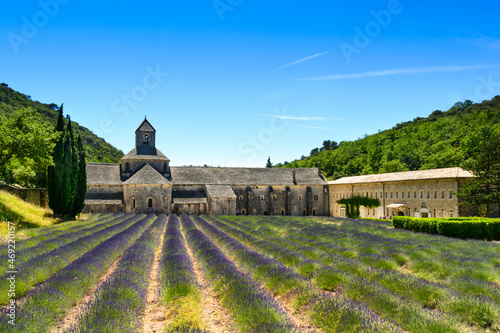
{"points": [[144, 182]]}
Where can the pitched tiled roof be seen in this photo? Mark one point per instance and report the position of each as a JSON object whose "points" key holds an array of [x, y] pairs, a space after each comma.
{"points": [[445, 173], [147, 176], [190, 200], [103, 174], [103, 202], [145, 126], [244, 176], [132, 155], [220, 191]]}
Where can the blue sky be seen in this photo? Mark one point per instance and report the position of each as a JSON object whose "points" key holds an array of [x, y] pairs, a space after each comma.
{"points": [[231, 82]]}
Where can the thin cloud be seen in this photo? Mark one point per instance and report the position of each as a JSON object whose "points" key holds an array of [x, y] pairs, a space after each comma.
{"points": [[314, 127], [303, 118], [401, 71], [299, 61]]}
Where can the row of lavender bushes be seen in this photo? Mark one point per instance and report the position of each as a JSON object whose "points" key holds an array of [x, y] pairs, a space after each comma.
{"points": [[374, 271], [40, 268], [179, 289], [252, 308], [25, 253], [45, 306], [119, 303], [341, 277], [333, 313]]}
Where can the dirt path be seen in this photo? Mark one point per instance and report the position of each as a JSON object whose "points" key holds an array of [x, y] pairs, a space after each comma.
{"points": [[215, 316], [155, 314], [73, 313]]}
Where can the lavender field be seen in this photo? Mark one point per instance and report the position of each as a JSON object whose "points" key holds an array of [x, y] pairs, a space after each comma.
{"points": [[147, 273]]}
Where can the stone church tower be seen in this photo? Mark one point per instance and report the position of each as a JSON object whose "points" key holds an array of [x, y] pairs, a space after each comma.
{"points": [[145, 173]]}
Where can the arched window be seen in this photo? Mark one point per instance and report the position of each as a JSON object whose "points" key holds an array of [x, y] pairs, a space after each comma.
{"points": [[150, 203], [262, 197], [451, 212], [275, 197], [282, 212], [132, 203], [243, 212], [145, 139], [301, 197], [314, 212], [240, 198]]}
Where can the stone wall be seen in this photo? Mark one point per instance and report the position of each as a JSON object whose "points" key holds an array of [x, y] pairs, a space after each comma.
{"points": [[35, 196], [103, 208], [190, 208], [294, 200], [421, 198], [147, 199]]}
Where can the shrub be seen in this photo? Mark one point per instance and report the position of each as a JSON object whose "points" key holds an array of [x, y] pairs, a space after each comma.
{"points": [[473, 228]]}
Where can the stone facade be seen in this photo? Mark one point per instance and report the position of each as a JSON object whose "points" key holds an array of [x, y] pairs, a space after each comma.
{"points": [[428, 193], [144, 182]]}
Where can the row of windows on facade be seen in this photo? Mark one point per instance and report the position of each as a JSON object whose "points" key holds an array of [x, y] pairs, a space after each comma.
{"points": [[283, 212], [149, 201], [275, 197], [373, 212], [396, 195]]}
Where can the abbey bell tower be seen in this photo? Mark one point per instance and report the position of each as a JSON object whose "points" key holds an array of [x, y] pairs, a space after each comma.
{"points": [[145, 139]]}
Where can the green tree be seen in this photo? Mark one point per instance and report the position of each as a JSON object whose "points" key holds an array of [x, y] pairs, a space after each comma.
{"points": [[67, 185], [81, 186], [25, 148], [352, 205], [59, 183], [269, 164], [482, 150]]}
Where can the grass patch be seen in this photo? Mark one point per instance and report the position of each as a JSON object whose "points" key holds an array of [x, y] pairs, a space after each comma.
{"points": [[23, 214]]}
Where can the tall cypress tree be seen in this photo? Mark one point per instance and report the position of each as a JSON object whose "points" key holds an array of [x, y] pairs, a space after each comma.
{"points": [[56, 187], [72, 149], [81, 186]]}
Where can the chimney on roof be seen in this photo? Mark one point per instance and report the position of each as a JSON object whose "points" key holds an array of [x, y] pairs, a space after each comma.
{"points": [[294, 178], [319, 168]]}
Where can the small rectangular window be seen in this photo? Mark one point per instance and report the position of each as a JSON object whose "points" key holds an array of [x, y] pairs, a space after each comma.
{"points": [[392, 195], [435, 194], [397, 195], [421, 194], [403, 194], [415, 195], [442, 195], [316, 197], [451, 195], [428, 194]]}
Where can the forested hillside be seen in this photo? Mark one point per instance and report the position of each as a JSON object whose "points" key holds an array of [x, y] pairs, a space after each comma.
{"points": [[424, 143], [96, 149]]}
